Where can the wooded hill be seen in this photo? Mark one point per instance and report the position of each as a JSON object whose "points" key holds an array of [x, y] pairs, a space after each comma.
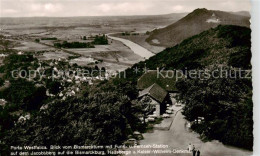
{"points": [[225, 44], [194, 23]]}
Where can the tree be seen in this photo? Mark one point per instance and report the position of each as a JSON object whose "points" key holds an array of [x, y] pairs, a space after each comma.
{"points": [[103, 69], [2, 82], [99, 119], [145, 107], [225, 103], [54, 87], [6, 44], [100, 40], [24, 94]]}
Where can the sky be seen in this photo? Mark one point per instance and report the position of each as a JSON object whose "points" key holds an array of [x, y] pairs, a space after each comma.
{"points": [[68, 8]]}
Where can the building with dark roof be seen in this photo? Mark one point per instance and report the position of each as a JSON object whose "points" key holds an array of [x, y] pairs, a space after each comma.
{"points": [[159, 97], [165, 80]]}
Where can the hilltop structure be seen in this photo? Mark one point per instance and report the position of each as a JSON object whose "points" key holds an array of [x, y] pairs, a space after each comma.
{"points": [[213, 19]]}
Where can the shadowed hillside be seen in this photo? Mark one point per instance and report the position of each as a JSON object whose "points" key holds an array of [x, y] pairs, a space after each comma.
{"points": [[225, 103], [228, 45], [242, 13], [194, 23]]}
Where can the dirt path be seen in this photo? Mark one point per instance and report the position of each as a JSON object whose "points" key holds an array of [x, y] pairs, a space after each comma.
{"points": [[178, 137]]}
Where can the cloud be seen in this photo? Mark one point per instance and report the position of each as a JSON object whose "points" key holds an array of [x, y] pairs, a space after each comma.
{"points": [[49, 7], [178, 8]]}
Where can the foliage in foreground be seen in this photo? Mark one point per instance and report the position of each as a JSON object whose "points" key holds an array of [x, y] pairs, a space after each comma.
{"points": [[99, 119], [226, 105]]}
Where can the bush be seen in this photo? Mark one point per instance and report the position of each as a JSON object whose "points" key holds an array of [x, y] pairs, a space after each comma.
{"points": [[66, 44], [49, 38], [100, 40]]}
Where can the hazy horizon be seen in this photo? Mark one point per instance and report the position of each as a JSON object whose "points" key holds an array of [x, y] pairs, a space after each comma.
{"points": [[108, 15], [94, 15], [87, 8]]}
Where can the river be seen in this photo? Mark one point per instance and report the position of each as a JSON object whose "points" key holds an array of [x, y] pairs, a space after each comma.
{"points": [[137, 49]]}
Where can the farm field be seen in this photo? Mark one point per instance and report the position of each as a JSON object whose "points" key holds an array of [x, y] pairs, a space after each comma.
{"points": [[32, 46], [114, 56]]}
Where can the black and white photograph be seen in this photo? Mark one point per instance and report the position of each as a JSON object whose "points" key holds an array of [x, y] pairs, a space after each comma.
{"points": [[126, 78]]}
